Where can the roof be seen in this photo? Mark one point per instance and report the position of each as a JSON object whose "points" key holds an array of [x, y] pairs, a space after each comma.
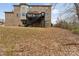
{"points": [[9, 12], [21, 4], [36, 12], [42, 5], [32, 5]]}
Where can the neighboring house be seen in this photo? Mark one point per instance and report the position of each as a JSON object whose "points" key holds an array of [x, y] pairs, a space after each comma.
{"points": [[29, 15]]}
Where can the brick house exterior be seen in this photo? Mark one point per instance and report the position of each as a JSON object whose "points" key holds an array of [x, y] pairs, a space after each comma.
{"points": [[18, 15]]}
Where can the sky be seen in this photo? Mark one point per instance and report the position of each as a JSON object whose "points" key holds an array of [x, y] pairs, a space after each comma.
{"points": [[5, 7], [59, 8]]}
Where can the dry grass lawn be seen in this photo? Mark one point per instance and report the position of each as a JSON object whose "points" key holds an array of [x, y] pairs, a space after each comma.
{"points": [[38, 41]]}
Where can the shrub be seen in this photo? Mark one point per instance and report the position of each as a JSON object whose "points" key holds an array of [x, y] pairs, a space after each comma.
{"points": [[75, 30], [70, 26]]}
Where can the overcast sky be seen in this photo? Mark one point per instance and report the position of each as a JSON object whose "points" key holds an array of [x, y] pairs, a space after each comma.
{"points": [[55, 12]]}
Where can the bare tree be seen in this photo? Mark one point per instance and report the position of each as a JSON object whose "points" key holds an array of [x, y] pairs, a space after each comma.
{"points": [[77, 9], [70, 12]]}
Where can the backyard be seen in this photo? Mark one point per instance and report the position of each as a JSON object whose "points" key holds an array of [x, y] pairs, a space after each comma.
{"points": [[38, 41]]}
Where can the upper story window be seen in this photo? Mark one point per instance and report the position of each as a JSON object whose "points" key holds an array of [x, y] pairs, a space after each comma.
{"points": [[23, 8], [18, 14], [23, 14], [30, 6]]}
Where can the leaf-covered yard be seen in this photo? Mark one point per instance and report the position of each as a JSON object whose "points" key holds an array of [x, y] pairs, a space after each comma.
{"points": [[38, 41]]}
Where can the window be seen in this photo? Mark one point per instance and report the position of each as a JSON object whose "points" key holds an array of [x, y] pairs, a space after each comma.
{"points": [[23, 14], [23, 7], [18, 14], [30, 6]]}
